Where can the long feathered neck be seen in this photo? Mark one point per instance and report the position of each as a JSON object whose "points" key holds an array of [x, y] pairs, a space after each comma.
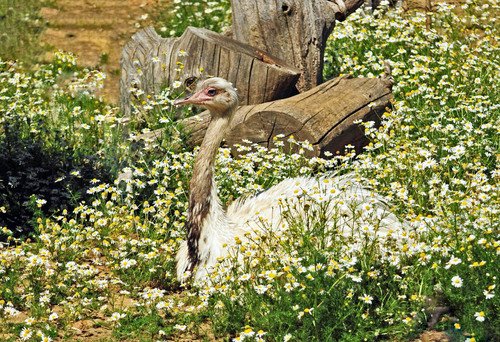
{"points": [[203, 201]]}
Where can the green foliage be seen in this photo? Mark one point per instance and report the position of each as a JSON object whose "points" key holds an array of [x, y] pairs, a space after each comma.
{"points": [[141, 327], [33, 176], [437, 153], [112, 259], [212, 15], [20, 27], [55, 105], [59, 136]]}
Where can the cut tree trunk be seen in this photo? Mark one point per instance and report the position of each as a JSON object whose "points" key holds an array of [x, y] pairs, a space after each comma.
{"points": [[150, 62], [294, 30], [326, 116]]}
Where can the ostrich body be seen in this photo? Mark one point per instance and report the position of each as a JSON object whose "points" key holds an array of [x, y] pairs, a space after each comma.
{"points": [[210, 228]]}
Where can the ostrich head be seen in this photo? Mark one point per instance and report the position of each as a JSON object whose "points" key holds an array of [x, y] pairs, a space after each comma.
{"points": [[216, 94]]}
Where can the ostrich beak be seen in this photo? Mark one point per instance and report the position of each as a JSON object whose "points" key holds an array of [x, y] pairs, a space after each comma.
{"points": [[197, 98], [183, 101]]}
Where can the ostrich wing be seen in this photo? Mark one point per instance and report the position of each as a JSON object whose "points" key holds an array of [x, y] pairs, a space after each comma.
{"points": [[266, 207]]}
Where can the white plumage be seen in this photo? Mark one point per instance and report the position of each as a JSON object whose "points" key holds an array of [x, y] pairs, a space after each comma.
{"points": [[218, 228]]}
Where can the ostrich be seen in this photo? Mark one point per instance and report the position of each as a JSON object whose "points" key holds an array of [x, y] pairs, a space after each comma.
{"points": [[211, 229]]}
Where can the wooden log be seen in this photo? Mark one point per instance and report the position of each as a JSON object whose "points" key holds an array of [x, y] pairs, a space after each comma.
{"points": [[324, 115], [295, 30], [150, 62]]}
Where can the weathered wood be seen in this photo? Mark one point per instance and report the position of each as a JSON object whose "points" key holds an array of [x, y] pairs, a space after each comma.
{"points": [[150, 62], [325, 116], [135, 54], [294, 30]]}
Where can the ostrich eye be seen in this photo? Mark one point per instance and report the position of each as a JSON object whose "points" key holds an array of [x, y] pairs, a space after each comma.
{"points": [[211, 92]]}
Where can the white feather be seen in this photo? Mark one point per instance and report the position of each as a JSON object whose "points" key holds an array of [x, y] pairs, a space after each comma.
{"points": [[264, 211]]}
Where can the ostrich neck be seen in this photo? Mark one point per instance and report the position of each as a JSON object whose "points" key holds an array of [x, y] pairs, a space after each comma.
{"points": [[203, 201]]}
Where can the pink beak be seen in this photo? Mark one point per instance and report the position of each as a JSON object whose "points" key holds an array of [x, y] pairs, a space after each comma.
{"points": [[197, 99]]}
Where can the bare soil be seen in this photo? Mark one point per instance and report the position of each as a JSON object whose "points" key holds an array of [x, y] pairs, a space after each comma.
{"points": [[96, 31]]}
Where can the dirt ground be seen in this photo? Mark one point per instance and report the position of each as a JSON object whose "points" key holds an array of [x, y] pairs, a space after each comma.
{"points": [[96, 30]]}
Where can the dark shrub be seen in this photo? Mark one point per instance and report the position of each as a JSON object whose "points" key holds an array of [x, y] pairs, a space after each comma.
{"points": [[28, 168]]}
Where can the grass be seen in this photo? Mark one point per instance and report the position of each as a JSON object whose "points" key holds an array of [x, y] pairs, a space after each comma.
{"points": [[20, 27], [111, 260], [173, 20]]}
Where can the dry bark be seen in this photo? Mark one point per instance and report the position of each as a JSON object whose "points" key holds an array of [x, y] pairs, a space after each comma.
{"points": [[294, 30], [149, 62]]}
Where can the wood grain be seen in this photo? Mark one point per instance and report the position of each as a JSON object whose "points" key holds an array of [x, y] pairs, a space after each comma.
{"points": [[324, 115], [149, 63], [294, 30]]}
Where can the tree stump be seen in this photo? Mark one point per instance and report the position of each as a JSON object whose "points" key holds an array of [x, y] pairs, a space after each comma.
{"points": [[324, 115], [150, 62], [294, 30]]}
